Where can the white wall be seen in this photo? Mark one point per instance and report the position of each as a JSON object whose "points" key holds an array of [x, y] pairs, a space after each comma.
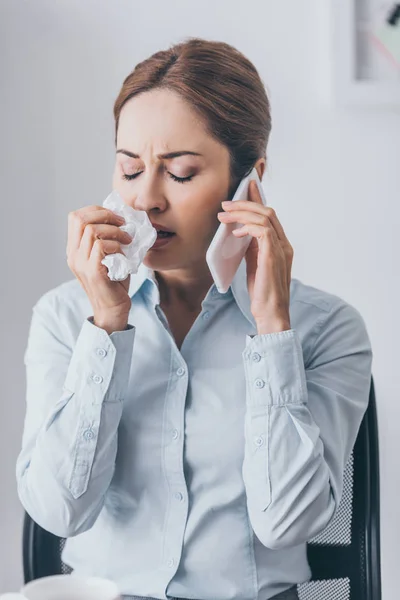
{"points": [[333, 179]]}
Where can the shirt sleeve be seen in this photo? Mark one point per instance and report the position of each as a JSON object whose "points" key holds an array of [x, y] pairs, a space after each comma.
{"points": [[301, 424], [74, 399]]}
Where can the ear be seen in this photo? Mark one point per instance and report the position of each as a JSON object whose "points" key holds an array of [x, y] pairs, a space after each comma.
{"points": [[260, 166]]}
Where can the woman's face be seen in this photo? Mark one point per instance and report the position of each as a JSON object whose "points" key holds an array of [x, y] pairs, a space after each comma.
{"points": [[160, 122]]}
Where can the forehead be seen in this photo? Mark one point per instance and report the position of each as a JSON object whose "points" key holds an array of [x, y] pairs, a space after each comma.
{"points": [[163, 118]]}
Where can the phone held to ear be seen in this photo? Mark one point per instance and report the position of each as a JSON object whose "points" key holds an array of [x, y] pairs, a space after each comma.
{"points": [[226, 251]]}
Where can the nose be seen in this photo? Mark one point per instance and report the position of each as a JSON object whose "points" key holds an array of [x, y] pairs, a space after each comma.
{"points": [[149, 197]]}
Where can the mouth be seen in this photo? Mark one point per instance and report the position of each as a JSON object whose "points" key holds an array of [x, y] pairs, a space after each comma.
{"points": [[161, 229], [164, 234], [163, 238]]}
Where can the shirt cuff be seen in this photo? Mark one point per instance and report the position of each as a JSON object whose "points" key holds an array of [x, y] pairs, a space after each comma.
{"points": [[101, 361], [274, 369]]}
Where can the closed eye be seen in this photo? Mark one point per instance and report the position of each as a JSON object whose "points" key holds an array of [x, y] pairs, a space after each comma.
{"points": [[174, 177]]}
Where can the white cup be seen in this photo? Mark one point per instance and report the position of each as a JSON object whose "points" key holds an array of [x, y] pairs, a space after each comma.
{"points": [[66, 587]]}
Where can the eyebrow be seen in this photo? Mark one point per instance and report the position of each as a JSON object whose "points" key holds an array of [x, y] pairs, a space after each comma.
{"points": [[162, 156]]}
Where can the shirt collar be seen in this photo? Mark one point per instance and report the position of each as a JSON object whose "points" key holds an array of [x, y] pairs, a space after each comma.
{"points": [[238, 289], [137, 280]]}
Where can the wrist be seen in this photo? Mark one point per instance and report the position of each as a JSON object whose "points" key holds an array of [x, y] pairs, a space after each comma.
{"points": [[111, 324], [272, 326]]}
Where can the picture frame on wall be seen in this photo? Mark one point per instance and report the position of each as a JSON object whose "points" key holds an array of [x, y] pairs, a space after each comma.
{"points": [[366, 52]]}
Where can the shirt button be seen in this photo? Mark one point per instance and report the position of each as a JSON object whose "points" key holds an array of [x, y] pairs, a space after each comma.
{"points": [[256, 357], [175, 434], [101, 352], [88, 434], [259, 383], [206, 315], [170, 562], [180, 371], [97, 378], [258, 441], [179, 496], [215, 292]]}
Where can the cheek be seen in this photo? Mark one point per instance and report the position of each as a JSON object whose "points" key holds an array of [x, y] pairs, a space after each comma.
{"points": [[202, 214], [120, 185], [116, 180], [193, 217], [199, 226]]}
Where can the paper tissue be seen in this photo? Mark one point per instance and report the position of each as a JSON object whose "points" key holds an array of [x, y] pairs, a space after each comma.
{"points": [[144, 235]]}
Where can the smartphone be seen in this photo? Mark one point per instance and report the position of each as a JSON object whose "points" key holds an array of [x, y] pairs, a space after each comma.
{"points": [[226, 252]]}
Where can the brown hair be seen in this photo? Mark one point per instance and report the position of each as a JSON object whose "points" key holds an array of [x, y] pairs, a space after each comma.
{"points": [[221, 85]]}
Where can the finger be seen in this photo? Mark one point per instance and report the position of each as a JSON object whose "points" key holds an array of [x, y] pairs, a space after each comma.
{"points": [[76, 223], [257, 231], [277, 226], [262, 210], [243, 216], [228, 205], [78, 219], [100, 231], [101, 248], [256, 197]]}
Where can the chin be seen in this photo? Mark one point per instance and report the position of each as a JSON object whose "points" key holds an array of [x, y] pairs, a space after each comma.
{"points": [[164, 261], [158, 261]]}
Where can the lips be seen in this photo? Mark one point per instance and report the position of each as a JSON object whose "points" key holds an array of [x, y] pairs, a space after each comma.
{"points": [[162, 239], [159, 228]]}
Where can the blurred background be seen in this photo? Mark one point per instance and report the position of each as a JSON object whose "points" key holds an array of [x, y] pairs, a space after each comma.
{"points": [[333, 178]]}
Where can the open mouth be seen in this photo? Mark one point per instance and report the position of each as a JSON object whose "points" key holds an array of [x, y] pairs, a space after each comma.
{"points": [[163, 237], [164, 234]]}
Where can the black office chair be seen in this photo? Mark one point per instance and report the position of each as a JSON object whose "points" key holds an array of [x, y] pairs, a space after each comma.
{"points": [[344, 558]]}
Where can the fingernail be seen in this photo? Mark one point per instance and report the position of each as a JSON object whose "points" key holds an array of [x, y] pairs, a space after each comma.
{"points": [[225, 203], [121, 219]]}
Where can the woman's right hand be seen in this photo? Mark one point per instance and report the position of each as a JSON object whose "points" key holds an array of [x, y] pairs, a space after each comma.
{"points": [[93, 232]]}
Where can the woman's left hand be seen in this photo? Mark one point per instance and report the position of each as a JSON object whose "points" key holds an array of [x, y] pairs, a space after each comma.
{"points": [[269, 260]]}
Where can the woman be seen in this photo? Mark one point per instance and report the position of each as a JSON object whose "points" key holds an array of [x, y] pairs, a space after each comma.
{"points": [[189, 443]]}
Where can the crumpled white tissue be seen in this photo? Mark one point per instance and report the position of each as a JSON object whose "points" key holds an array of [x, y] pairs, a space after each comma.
{"points": [[144, 235]]}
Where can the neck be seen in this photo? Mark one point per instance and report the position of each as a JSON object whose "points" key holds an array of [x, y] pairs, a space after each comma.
{"points": [[184, 288]]}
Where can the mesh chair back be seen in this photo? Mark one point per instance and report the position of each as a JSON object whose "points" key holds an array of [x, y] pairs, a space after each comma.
{"points": [[345, 557]]}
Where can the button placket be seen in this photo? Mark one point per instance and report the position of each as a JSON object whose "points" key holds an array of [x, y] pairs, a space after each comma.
{"points": [[176, 521]]}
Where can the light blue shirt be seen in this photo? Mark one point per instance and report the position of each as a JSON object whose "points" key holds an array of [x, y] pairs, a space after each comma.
{"points": [[197, 473]]}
